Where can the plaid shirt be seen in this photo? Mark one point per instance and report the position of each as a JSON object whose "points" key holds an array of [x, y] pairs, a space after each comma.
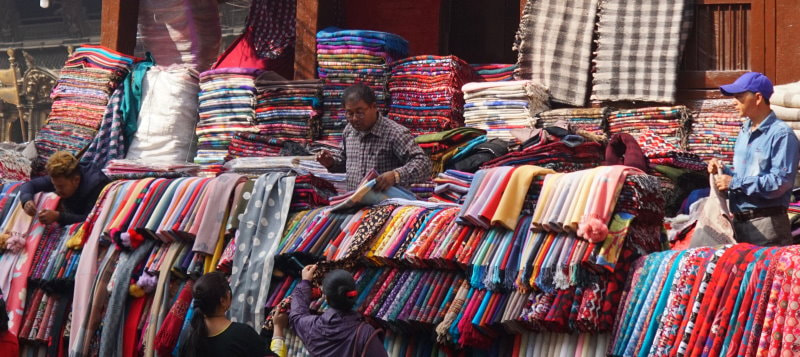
{"points": [[387, 146]]}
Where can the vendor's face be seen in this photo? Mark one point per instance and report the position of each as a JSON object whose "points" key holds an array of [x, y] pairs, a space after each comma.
{"points": [[66, 186], [360, 115], [747, 103]]}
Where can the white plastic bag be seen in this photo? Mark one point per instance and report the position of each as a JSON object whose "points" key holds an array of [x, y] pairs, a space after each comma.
{"points": [[714, 226]]}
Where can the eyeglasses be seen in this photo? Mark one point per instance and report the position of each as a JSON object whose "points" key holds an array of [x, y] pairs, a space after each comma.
{"points": [[359, 115]]}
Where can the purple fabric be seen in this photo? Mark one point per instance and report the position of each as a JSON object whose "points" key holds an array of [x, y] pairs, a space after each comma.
{"points": [[334, 332]]}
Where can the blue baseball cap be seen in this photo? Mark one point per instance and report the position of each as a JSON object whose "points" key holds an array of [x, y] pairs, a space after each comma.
{"points": [[749, 82]]}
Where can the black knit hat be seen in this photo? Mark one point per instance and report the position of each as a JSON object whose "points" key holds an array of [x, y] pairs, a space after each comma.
{"points": [[340, 289]]}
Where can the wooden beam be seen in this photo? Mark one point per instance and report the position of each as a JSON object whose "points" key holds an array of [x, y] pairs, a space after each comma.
{"points": [[306, 27], [118, 25]]}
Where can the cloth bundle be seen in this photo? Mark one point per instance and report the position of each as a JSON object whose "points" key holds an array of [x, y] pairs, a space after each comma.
{"points": [[715, 127], [494, 72], [426, 93], [136, 169], [226, 106], [14, 166], [168, 115], [639, 49], [661, 152], [80, 98], [591, 120], [346, 57], [672, 124], [441, 147], [451, 186], [554, 45], [500, 107], [557, 156], [311, 192], [785, 102]]}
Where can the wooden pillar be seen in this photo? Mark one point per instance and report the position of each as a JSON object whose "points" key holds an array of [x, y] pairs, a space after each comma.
{"points": [[118, 25], [312, 16]]}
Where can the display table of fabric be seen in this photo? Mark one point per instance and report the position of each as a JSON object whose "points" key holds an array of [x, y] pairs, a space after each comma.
{"points": [[80, 97], [426, 94], [591, 120], [734, 300], [672, 124], [494, 267], [500, 107], [715, 126], [285, 111], [226, 106], [494, 72], [346, 57]]}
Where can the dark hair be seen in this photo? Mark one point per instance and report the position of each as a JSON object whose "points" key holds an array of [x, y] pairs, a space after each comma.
{"points": [[340, 289], [3, 314], [358, 91], [207, 293]]}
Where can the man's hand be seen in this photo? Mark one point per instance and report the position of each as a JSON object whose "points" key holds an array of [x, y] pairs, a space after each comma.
{"points": [[723, 182], [48, 216], [308, 272], [325, 158], [30, 208], [384, 181], [715, 167]]}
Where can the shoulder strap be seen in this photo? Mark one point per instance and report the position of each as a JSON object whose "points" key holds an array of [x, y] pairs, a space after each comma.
{"points": [[355, 339]]}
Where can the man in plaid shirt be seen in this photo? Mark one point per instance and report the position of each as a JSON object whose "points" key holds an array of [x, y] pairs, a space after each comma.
{"points": [[372, 141]]}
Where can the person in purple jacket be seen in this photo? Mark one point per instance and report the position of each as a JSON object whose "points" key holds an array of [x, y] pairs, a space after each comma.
{"points": [[339, 331]]}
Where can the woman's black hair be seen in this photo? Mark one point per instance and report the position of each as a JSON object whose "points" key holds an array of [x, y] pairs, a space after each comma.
{"points": [[3, 314], [207, 294]]}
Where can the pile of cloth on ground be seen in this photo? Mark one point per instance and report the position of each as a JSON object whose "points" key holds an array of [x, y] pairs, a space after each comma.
{"points": [[80, 97], [493, 72], [500, 107], [715, 125], [591, 120], [426, 94], [226, 106], [785, 102], [345, 57], [286, 111]]}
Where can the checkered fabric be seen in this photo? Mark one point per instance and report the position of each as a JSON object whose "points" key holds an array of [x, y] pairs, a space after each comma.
{"points": [[554, 45], [639, 49]]}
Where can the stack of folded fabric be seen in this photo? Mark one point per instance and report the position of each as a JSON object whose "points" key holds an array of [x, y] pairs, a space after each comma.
{"points": [[671, 123], [13, 166], [137, 169], [311, 166], [494, 72], [785, 102], [442, 146], [558, 156], [590, 120], [426, 92], [346, 57], [500, 107], [289, 108], [80, 97], [660, 152], [715, 126], [227, 106], [311, 192], [452, 186], [423, 190]]}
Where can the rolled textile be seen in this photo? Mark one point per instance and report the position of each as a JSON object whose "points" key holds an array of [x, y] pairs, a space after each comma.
{"points": [[168, 116], [786, 114], [786, 95]]}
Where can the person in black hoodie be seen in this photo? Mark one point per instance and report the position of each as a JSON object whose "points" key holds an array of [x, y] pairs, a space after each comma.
{"points": [[77, 184]]}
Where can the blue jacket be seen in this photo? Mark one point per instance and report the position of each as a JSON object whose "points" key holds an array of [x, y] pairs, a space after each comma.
{"points": [[76, 208]]}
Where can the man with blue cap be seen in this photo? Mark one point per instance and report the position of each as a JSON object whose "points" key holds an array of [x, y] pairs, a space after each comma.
{"points": [[765, 162]]}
